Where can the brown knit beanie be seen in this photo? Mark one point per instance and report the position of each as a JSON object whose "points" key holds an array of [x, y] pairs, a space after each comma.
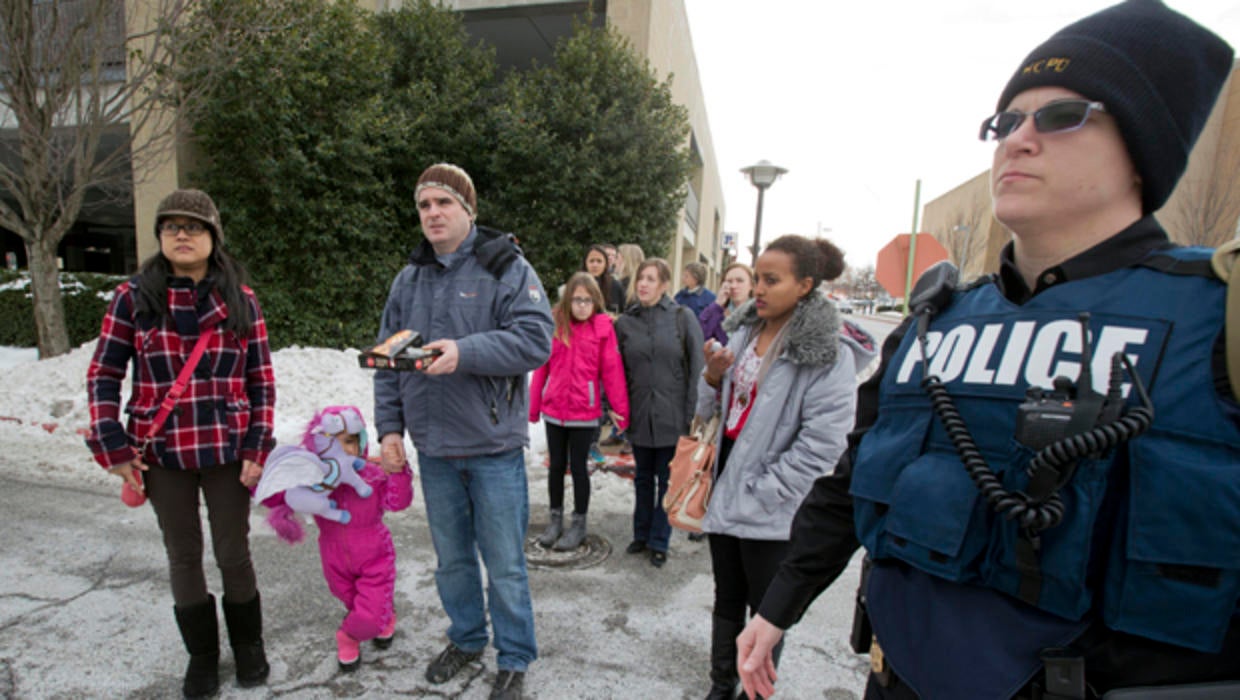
{"points": [[195, 204], [453, 180]]}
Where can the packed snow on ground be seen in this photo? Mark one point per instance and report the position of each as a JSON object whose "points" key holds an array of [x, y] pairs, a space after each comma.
{"points": [[44, 414]]}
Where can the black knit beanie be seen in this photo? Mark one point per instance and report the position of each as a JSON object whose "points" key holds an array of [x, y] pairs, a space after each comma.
{"points": [[1157, 71], [195, 204]]}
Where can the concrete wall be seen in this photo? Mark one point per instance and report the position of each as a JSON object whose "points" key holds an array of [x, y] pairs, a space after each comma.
{"points": [[659, 30]]}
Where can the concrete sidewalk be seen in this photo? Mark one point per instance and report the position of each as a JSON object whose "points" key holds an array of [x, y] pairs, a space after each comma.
{"points": [[85, 611]]}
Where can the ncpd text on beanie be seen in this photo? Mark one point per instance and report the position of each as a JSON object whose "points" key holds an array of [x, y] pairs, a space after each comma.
{"points": [[1156, 71]]}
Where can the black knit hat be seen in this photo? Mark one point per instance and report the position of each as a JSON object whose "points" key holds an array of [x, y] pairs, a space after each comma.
{"points": [[1157, 71], [195, 204]]}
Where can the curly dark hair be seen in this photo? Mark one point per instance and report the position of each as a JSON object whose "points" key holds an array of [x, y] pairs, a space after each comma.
{"points": [[817, 258]]}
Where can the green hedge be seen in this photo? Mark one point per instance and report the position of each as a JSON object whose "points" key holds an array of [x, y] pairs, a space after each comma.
{"points": [[84, 306]]}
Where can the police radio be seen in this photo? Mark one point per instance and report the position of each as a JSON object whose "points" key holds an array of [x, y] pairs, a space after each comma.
{"points": [[1069, 408], [1063, 424]]}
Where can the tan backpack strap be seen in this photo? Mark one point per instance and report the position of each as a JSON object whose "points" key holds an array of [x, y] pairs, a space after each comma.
{"points": [[1226, 264]]}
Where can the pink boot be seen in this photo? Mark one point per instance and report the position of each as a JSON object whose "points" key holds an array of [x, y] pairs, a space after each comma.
{"points": [[347, 652], [384, 640]]}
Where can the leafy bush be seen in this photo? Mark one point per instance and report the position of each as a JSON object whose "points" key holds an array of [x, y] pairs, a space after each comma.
{"points": [[86, 297], [318, 133]]}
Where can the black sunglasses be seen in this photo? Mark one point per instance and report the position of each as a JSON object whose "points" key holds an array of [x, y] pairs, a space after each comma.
{"points": [[1064, 115]]}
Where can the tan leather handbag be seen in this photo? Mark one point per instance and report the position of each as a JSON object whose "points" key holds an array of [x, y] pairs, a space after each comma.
{"points": [[691, 475]]}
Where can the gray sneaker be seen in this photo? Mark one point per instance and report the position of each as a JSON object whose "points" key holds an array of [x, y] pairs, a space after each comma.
{"points": [[449, 663], [508, 685]]}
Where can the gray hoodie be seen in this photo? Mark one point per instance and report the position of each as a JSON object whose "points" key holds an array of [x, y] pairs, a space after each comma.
{"points": [[799, 422]]}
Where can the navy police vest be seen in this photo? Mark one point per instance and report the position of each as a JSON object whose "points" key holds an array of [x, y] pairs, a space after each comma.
{"points": [[1151, 535]]}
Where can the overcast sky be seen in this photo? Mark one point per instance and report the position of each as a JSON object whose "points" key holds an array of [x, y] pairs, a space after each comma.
{"points": [[861, 99]]}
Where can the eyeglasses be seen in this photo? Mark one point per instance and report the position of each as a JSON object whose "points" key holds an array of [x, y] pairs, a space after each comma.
{"points": [[583, 302], [1064, 115], [193, 228]]}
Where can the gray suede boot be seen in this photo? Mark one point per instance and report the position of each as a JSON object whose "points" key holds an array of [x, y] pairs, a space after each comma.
{"points": [[554, 529], [574, 536]]}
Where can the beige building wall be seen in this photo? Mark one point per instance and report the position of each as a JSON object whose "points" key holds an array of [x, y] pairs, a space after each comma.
{"points": [[1204, 209], [962, 221], [659, 30]]}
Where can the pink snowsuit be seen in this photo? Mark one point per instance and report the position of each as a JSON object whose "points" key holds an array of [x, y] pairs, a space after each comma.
{"points": [[359, 559]]}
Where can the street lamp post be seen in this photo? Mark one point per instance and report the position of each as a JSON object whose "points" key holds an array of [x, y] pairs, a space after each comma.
{"points": [[761, 175]]}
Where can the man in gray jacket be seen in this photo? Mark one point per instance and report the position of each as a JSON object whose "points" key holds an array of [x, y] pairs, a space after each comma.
{"points": [[469, 289]]}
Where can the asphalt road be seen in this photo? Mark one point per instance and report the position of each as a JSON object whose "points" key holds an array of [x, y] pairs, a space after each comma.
{"points": [[85, 610]]}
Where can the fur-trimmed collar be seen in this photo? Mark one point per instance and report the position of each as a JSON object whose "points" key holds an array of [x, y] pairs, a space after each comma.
{"points": [[813, 336]]}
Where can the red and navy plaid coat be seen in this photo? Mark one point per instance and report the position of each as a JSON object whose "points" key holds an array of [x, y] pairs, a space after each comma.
{"points": [[226, 411]]}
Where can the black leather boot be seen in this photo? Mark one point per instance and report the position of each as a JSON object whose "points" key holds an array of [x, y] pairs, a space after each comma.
{"points": [[201, 633], [723, 676], [245, 634]]}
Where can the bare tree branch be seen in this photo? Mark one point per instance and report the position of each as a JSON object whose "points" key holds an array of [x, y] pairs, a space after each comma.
{"points": [[1208, 209], [89, 103]]}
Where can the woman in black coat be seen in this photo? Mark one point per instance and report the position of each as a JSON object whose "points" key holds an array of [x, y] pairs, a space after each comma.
{"points": [[660, 343], [595, 262]]}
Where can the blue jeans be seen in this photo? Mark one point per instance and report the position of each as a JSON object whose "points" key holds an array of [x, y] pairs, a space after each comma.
{"points": [[649, 519], [480, 505]]}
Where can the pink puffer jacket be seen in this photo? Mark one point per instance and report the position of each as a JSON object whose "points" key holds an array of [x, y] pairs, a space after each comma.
{"points": [[567, 388]]}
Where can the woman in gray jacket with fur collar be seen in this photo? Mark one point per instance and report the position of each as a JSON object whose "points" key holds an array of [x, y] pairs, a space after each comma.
{"points": [[786, 388]]}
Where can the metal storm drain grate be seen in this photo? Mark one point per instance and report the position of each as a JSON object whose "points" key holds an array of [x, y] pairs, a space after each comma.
{"points": [[592, 552]]}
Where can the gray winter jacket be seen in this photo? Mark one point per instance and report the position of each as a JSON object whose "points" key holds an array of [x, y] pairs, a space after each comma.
{"points": [[502, 327], [662, 361], [797, 428]]}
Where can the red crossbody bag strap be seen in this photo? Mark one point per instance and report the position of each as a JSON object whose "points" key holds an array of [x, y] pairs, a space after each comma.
{"points": [[178, 387]]}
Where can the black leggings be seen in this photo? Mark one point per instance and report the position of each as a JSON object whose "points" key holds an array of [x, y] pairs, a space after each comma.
{"points": [[568, 448], [174, 496], [743, 570]]}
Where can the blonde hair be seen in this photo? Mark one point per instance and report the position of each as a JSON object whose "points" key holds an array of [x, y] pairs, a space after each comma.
{"points": [[630, 255], [563, 312]]}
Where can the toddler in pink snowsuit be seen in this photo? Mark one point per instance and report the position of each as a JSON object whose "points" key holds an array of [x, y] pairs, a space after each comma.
{"points": [[359, 559]]}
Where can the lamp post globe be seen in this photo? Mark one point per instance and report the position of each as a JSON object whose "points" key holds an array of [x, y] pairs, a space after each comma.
{"points": [[761, 175]]}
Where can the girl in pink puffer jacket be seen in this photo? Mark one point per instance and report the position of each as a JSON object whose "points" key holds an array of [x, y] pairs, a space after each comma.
{"points": [[566, 393], [359, 559]]}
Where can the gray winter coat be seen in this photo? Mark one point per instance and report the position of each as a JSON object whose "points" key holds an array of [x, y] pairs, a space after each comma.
{"points": [[662, 361], [502, 328], [797, 427]]}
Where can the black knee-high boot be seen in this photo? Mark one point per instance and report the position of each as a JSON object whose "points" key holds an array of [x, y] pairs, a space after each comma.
{"points": [[723, 676], [245, 634], [200, 630]]}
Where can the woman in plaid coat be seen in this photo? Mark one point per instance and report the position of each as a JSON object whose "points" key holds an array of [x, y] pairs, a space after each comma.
{"points": [[216, 438]]}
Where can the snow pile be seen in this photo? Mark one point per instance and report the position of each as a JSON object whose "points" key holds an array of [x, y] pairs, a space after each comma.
{"points": [[44, 415]]}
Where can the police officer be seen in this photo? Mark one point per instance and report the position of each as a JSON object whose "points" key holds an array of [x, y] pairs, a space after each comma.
{"points": [[1046, 470]]}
